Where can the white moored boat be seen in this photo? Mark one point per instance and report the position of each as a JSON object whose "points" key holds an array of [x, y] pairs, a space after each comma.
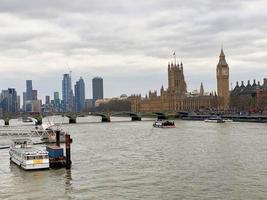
{"points": [[227, 120], [214, 119], [24, 155]]}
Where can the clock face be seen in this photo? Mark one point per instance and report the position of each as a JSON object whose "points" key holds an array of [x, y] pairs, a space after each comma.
{"points": [[224, 71]]}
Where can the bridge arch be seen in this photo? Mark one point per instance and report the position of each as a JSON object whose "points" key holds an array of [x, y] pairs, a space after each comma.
{"points": [[134, 116], [104, 117]]}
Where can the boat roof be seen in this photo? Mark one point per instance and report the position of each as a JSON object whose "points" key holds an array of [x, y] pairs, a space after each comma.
{"points": [[31, 151]]}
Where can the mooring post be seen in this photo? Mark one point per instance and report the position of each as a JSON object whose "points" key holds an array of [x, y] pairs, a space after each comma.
{"points": [[57, 137], [67, 142]]}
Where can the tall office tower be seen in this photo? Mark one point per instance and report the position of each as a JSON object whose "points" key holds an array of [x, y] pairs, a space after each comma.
{"points": [[56, 102], [28, 89], [12, 100], [34, 95], [18, 103], [56, 95], [79, 95], [47, 100], [24, 97], [67, 93], [8, 101], [5, 101], [97, 89]]}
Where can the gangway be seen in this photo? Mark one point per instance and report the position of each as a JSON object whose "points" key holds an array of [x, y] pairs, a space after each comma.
{"points": [[25, 132]]}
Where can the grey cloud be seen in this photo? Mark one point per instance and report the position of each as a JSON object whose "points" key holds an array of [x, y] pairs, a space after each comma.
{"points": [[132, 36]]}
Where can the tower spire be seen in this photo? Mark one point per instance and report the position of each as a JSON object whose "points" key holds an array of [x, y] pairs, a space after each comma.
{"points": [[201, 89], [222, 54], [222, 60], [174, 56]]}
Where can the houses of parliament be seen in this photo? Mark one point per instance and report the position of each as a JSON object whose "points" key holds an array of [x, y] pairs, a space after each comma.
{"points": [[176, 97]]}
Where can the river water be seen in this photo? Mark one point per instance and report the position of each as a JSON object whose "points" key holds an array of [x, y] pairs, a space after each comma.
{"points": [[132, 160]]}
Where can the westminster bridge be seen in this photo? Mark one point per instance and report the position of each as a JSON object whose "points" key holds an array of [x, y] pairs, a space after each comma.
{"points": [[72, 116], [106, 116]]}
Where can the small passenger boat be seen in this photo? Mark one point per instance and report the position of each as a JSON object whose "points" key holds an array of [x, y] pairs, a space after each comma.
{"points": [[164, 124], [215, 119], [24, 155]]}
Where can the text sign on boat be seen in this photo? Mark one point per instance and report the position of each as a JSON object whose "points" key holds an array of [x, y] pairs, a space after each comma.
{"points": [[37, 161]]}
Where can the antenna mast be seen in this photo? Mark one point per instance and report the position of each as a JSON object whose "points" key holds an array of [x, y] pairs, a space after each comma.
{"points": [[174, 56]]}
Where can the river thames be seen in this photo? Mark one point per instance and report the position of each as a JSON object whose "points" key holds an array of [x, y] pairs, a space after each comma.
{"points": [[132, 160]]}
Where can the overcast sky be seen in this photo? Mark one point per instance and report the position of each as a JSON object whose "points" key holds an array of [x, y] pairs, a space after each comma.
{"points": [[129, 42]]}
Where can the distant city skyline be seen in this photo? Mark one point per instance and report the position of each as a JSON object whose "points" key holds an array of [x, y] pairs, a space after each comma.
{"points": [[129, 42]]}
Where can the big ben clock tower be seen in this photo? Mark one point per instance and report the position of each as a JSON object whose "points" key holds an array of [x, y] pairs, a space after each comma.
{"points": [[223, 80]]}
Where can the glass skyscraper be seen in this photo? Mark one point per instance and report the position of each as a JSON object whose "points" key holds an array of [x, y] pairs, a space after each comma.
{"points": [[13, 100], [79, 95], [57, 105], [97, 89], [67, 93], [8, 100], [29, 89]]}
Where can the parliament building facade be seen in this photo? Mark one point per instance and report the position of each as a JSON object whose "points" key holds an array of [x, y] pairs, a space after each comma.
{"points": [[176, 97]]}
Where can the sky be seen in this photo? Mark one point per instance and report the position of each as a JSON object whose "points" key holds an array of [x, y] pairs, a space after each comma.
{"points": [[129, 42]]}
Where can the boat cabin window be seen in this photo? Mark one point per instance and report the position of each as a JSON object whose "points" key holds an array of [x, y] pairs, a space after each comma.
{"points": [[29, 157]]}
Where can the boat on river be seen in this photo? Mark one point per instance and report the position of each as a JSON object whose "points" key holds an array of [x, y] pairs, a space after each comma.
{"points": [[23, 154], [164, 124], [228, 120], [214, 119]]}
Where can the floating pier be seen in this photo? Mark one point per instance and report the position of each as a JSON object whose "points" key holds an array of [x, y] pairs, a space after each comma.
{"points": [[56, 153]]}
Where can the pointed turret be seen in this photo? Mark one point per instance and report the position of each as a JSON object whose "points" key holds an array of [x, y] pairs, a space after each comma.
{"points": [[161, 90], [201, 89], [248, 84], [254, 83], [222, 53], [236, 86], [222, 60]]}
